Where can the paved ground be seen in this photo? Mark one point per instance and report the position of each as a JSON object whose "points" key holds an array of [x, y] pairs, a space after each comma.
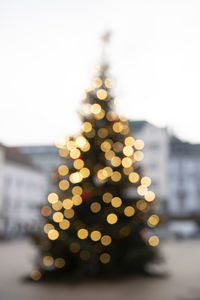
{"points": [[183, 282]]}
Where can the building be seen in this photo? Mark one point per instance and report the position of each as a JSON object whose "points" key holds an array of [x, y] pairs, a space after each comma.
{"points": [[156, 157], [23, 188], [184, 178]]}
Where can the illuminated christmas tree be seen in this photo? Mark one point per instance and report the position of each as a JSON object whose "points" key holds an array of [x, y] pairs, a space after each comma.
{"points": [[98, 218]]}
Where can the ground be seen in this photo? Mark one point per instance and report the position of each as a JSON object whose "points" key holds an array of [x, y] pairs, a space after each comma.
{"points": [[182, 283]]}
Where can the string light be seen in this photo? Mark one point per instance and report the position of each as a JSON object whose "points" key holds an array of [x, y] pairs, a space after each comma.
{"points": [[82, 233], [53, 198], [102, 94], [112, 218]]}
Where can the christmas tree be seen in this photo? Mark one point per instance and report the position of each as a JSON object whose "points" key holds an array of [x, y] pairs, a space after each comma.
{"points": [[98, 219]]}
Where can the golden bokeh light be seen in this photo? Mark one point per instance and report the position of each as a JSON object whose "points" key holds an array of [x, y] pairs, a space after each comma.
{"points": [[128, 150], [87, 126], [77, 190], [107, 197], [104, 258], [82, 233], [97, 82], [102, 94], [142, 190], [153, 241], [36, 275], [71, 145], [126, 162], [102, 132], [115, 161], [63, 185], [63, 170], [60, 262], [109, 155], [53, 234], [105, 146], [64, 224], [69, 213], [76, 177], [139, 144], [100, 115], [117, 147], [67, 203], [48, 261], [138, 155], [129, 211], [108, 83], [53, 198], [106, 240], [45, 211], [77, 200], [112, 218], [127, 171], [146, 181], [95, 108], [116, 176], [109, 171], [57, 206], [129, 141], [153, 220], [63, 152], [149, 196], [75, 153], [85, 172], [95, 207], [141, 205], [80, 141], [58, 217], [48, 227], [133, 177], [95, 235], [116, 202], [78, 164], [117, 127]]}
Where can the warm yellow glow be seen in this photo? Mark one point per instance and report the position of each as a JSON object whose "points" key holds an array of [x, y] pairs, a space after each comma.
{"points": [[109, 171], [141, 205], [53, 234], [57, 206], [108, 83], [64, 185], [126, 162], [95, 235], [67, 203], [105, 146], [77, 200], [128, 150], [69, 213], [153, 220], [64, 224], [63, 152], [102, 174], [104, 258], [97, 82], [133, 177], [106, 240], [153, 241], [87, 127], [48, 261], [78, 164], [116, 202], [36, 275], [95, 207], [53, 198], [107, 197], [111, 116], [61, 142], [102, 94], [95, 108], [85, 172], [102, 132], [138, 155], [82, 233], [115, 161], [74, 247], [59, 262], [146, 181], [63, 170], [71, 145], [112, 218], [127, 171], [117, 127], [149, 196], [87, 146], [48, 227], [116, 176], [100, 115], [109, 155], [142, 190], [139, 144], [77, 190], [129, 211], [58, 217], [80, 141], [129, 141], [75, 153], [45, 211], [76, 177]]}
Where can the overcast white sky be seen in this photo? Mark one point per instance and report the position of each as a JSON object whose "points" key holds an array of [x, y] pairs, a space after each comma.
{"points": [[48, 50]]}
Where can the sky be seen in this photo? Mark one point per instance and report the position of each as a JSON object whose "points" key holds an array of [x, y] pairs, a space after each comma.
{"points": [[48, 50]]}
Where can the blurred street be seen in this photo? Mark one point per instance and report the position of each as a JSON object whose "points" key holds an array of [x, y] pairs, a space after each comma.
{"points": [[182, 264]]}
